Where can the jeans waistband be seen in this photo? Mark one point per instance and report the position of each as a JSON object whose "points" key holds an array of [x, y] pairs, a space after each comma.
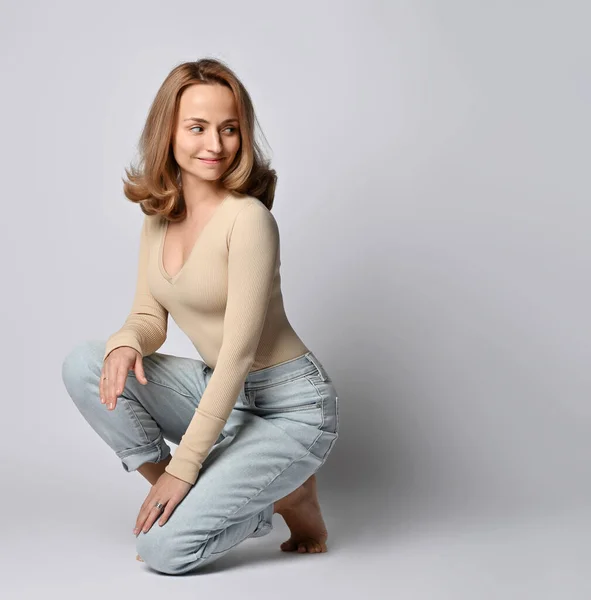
{"points": [[306, 364]]}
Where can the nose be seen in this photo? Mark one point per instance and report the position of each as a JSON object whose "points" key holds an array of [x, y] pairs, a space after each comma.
{"points": [[214, 143]]}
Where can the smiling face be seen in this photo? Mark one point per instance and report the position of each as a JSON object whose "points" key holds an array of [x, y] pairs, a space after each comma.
{"points": [[207, 132]]}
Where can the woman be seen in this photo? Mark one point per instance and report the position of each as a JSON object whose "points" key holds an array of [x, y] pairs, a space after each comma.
{"points": [[258, 416]]}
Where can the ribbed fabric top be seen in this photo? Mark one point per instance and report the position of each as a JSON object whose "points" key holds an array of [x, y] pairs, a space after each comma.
{"points": [[227, 299]]}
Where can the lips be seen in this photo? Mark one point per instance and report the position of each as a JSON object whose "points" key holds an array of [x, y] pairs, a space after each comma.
{"points": [[211, 161]]}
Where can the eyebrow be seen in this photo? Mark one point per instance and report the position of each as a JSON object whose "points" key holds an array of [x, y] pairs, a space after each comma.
{"points": [[199, 120]]}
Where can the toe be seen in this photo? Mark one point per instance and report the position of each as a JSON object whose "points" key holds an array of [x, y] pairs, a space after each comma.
{"points": [[288, 546]]}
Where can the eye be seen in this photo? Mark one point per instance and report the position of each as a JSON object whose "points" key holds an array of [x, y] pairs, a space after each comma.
{"points": [[233, 129]]}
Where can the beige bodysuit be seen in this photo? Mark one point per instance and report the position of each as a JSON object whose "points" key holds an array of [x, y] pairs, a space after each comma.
{"points": [[227, 299]]}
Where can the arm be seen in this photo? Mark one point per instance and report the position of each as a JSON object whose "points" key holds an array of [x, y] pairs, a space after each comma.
{"points": [[253, 260], [146, 325]]}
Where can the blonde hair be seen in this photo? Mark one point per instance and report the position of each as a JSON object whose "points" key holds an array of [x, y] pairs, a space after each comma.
{"points": [[156, 183]]}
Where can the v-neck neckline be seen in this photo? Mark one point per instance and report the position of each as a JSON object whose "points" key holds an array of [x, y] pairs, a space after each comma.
{"points": [[173, 278]]}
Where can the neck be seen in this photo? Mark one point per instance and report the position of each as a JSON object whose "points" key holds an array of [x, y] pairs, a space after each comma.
{"points": [[199, 194]]}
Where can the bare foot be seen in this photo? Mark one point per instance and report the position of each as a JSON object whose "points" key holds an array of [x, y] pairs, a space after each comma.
{"points": [[301, 511]]}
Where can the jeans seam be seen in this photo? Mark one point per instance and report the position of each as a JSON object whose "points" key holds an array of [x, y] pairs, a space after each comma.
{"points": [[134, 416], [320, 371], [322, 402], [164, 385], [236, 544], [139, 450], [252, 386], [298, 458]]}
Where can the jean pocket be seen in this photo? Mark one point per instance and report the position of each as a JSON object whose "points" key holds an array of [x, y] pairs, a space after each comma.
{"points": [[296, 395], [330, 402]]}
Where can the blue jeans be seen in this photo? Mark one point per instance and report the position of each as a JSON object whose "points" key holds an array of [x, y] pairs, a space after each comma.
{"points": [[281, 430]]}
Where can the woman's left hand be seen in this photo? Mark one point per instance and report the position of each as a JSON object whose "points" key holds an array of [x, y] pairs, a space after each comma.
{"points": [[169, 491]]}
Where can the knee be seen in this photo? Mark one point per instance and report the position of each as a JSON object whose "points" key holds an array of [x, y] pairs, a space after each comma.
{"points": [[166, 553], [84, 359]]}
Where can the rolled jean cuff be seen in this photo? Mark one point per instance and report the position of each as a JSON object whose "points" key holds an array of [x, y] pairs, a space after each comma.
{"points": [[265, 524], [154, 452]]}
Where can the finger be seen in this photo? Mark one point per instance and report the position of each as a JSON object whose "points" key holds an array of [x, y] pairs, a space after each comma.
{"points": [[139, 371], [101, 390], [168, 510], [116, 387], [112, 398], [139, 522], [148, 503], [105, 378], [152, 516], [109, 389], [108, 384], [119, 384]]}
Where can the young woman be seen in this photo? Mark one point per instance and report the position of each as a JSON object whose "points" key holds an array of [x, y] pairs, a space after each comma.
{"points": [[259, 415]]}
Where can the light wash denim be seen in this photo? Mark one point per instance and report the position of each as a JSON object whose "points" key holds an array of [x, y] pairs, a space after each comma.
{"points": [[281, 430]]}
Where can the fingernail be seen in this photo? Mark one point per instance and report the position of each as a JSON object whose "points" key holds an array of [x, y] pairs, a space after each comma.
{"points": [[110, 406]]}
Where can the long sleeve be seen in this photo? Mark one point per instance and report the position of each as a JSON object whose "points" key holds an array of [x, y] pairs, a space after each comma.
{"points": [[145, 328], [253, 262]]}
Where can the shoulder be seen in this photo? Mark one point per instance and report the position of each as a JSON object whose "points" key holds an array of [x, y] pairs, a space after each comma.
{"points": [[251, 212], [244, 201], [151, 223], [253, 225]]}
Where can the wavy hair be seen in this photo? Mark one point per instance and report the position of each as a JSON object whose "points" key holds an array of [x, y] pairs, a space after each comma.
{"points": [[156, 182]]}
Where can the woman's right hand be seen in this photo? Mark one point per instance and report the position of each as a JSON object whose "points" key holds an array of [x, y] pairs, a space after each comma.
{"points": [[115, 368]]}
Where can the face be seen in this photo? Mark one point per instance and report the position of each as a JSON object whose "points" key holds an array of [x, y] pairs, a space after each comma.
{"points": [[207, 127]]}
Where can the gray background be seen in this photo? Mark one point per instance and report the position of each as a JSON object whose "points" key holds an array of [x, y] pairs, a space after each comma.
{"points": [[433, 203]]}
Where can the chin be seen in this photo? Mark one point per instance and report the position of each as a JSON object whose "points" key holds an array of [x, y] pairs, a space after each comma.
{"points": [[208, 176]]}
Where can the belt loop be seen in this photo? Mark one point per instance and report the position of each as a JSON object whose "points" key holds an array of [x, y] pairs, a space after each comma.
{"points": [[323, 374]]}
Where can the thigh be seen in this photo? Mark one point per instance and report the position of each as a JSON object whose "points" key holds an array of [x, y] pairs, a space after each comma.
{"points": [[174, 389], [256, 464], [271, 445], [304, 407]]}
